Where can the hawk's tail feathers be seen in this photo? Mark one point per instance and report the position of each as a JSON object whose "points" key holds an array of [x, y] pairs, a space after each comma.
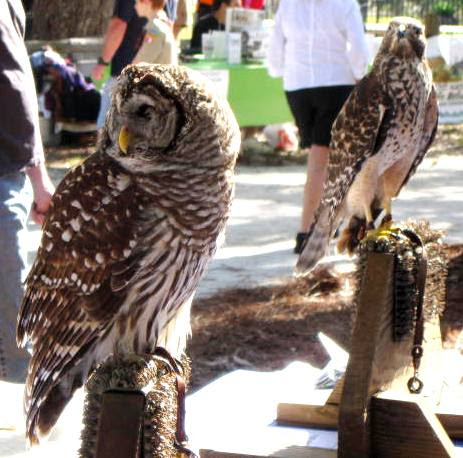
{"points": [[316, 245]]}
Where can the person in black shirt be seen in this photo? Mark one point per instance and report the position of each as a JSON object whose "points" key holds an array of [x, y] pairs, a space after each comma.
{"points": [[121, 43], [213, 21]]}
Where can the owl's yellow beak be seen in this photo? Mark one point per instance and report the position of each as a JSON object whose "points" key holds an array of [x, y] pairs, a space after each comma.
{"points": [[125, 137]]}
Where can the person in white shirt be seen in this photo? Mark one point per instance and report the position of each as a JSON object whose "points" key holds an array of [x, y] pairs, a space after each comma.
{"points": [[320, 50]]}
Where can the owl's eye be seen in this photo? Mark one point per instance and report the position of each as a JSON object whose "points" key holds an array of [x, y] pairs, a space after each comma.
{"points": [[418, 31], [144, 110]]}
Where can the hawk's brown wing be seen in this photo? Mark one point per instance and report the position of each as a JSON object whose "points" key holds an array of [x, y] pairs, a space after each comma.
{"points": [[429, 133], [357, 134]]}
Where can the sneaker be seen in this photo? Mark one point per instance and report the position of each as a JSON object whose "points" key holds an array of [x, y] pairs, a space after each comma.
{"points": [[301, 239]]}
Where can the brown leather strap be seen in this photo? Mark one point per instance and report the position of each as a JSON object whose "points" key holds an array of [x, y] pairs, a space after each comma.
{"points": [[181, 438], [421, 284], [181, 389]]}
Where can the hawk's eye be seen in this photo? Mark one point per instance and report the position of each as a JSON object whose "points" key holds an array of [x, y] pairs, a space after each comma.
{"points": [[418, 31], [144, 110]]}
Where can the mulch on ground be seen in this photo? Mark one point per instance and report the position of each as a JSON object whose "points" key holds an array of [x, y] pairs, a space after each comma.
{"points": [[265, 328]]}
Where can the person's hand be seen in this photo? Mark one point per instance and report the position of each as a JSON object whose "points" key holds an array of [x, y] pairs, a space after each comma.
{"points": [[42, 201], [43, 191], [97, 71]]}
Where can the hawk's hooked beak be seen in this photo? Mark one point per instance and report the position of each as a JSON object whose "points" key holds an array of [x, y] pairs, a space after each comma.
{"points": [[125, 138]]}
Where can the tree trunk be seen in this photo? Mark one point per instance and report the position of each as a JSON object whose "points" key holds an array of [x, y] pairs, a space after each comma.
{"points": [[364, 10], [398, 8], [52, 20]]}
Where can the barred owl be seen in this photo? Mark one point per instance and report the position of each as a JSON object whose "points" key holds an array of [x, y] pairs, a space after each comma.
{"points": [[128, 236], [378, 140]]}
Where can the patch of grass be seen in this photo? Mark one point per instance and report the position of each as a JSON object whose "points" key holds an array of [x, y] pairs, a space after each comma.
{"points": [[381, 19]]}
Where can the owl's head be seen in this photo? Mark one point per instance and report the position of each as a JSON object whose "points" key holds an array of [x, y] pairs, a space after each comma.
{"points": [[405, 38], [166, 117]]}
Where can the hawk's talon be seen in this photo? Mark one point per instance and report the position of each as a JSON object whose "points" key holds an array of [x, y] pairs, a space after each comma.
{"points": [[387, 219], [361, 232]]}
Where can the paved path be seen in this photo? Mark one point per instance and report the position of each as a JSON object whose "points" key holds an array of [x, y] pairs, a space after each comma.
{"points": [[265, 217]]}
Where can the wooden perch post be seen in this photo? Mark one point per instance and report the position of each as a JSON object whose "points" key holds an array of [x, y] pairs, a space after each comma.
{"points": [[354, 420], [120, 430], [400, 293]]}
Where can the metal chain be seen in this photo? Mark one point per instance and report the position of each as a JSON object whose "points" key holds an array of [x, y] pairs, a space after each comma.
{"points": [[415, 384]]}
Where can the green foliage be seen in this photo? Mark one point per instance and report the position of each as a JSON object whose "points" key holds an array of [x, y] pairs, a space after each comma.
{"points": [[444, 8], [442, 73]]}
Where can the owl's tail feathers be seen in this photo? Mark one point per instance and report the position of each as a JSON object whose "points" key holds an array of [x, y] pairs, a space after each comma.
{"points": [[352, 235], [316, 245], [48, 392], [44, 413]]}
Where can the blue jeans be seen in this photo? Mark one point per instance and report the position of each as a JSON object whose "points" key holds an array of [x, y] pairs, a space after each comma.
{"points": [[15, 203], [105, 101]]}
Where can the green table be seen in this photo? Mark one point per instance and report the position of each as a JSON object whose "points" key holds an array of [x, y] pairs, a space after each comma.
{"points": [[255, 97]]}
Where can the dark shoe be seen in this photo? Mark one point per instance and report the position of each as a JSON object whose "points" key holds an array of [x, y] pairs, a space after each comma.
{"points": [[301, 239]]}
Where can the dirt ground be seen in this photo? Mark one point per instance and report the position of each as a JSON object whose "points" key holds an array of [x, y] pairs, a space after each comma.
{"points": [[265, 328]]}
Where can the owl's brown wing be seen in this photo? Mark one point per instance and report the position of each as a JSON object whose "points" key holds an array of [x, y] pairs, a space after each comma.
{"points": [[88, 232], [429, 133], [89, 243]]}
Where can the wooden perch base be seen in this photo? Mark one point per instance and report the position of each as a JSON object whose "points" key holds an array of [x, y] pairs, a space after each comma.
{"points": [[374, 412]]}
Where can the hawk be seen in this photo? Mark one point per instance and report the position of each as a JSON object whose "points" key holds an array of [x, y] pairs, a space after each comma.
{"points": [[378, 140], [128, 236]]}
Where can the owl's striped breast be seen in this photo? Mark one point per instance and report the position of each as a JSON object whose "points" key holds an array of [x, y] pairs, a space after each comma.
{"points": [[179, 232]]}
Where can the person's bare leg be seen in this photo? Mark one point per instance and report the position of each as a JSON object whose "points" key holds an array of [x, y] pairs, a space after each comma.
{"points": [[317, 166]]}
